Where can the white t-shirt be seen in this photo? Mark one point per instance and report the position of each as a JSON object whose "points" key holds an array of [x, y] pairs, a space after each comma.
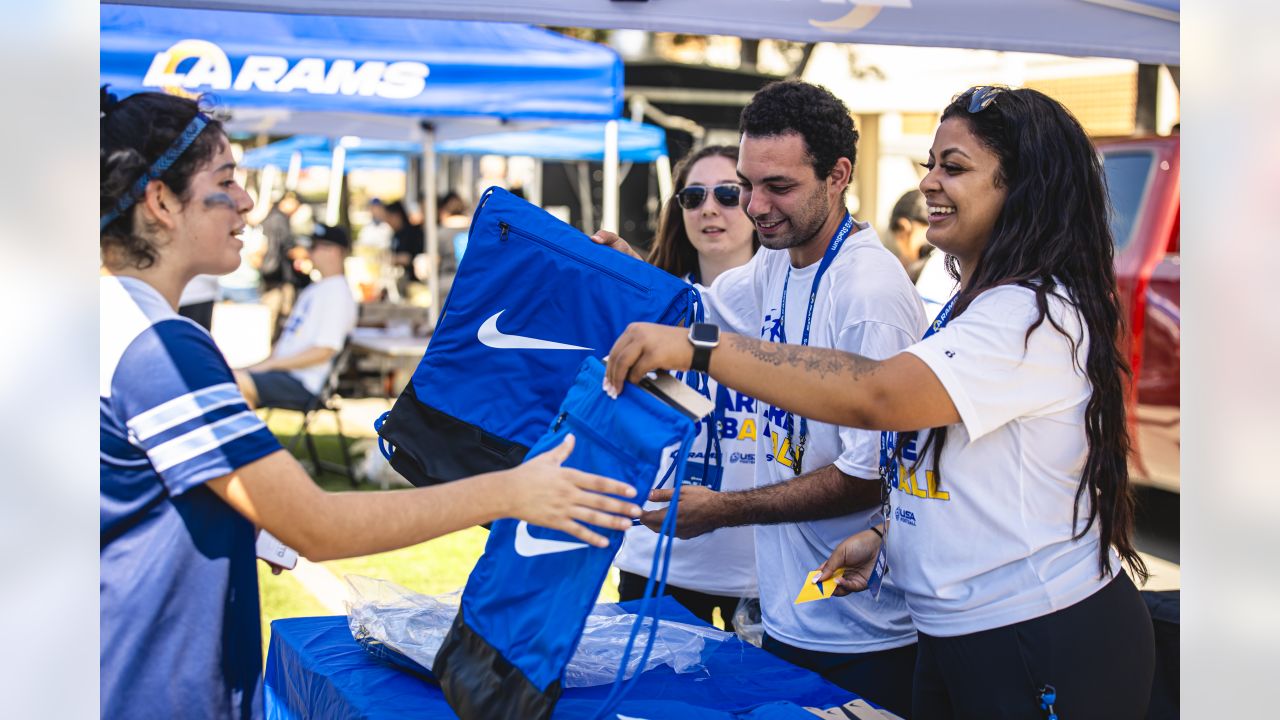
{"points": [[721, 562], [989, 542], [935, 284], [323, 315], [865, 305]]}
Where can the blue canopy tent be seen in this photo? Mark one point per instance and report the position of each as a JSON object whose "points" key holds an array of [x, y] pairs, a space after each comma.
{"points": [[637, 142], [408, 80], [571, 142], [578, 143]]}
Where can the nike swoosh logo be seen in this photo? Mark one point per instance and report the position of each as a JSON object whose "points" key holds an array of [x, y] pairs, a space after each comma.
{"points": [[490, 335], [530, 546]]}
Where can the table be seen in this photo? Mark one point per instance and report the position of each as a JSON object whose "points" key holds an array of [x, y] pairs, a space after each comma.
{"points": [[390, 350], [316, 670]]}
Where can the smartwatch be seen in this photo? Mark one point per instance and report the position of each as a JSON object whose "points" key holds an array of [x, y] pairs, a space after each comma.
{"points": [[704, 337]]}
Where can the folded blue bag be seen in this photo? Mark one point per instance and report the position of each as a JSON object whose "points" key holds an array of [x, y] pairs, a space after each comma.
{"points": [[527, 600], [532, 298]]}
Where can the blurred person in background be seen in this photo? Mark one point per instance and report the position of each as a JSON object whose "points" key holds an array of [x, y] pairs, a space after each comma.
{"points": [[377, 232], [407, 241], [279, 281], [188, 471], [908, 223], [703, 232], [317, 328]]}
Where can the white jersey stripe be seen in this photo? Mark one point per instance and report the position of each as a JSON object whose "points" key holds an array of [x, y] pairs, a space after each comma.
{"points": [[150, 423], [203, 439]]}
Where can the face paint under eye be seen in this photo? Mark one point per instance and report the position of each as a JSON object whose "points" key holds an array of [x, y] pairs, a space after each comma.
{"points": [[219, 200]]}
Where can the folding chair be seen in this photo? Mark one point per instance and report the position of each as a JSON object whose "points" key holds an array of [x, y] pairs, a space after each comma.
{"points": [[326, 399]]}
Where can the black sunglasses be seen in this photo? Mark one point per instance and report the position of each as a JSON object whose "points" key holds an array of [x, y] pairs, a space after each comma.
{"points": [[727, 195], [981, 97]]}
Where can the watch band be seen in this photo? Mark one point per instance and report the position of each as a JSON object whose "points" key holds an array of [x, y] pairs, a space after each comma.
{"points": [[701, 358]]}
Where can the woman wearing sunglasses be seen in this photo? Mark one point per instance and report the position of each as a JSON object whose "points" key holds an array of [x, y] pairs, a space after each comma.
{"points": [[189, 472], [704, 232], [1008, 513]]}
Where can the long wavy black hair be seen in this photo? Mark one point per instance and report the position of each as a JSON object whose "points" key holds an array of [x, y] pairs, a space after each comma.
{"points": [[672, 250], [1053, 232]]}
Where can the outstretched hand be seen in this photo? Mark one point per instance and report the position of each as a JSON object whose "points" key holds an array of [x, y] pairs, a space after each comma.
{"points": [[547, 494], [604, 237], [644, 347], [857, 555], [697, 515]]}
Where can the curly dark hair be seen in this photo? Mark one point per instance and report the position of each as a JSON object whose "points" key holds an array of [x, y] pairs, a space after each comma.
{"points": [[821, 119], [672, 250], [133, 133], [1053, 232]]}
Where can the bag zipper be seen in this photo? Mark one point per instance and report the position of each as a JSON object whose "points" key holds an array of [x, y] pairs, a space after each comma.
{"points": [[506, 227], [582, 427]]}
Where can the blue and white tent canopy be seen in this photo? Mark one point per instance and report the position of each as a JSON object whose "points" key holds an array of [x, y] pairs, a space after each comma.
{"points": [[335, 72], [317, 150], [637, 142]]}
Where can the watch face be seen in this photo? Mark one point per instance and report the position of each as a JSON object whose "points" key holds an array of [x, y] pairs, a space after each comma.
{"points": [[704, 333]]}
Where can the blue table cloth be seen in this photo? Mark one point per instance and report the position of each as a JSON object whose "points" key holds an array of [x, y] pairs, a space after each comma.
{"points": [[316, 670]]}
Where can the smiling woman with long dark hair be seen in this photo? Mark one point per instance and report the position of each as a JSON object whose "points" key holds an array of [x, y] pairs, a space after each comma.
{"points": [[1008, 512]]}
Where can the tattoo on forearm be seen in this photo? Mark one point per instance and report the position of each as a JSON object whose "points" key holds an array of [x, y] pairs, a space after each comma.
{"points": [[823, 361]]}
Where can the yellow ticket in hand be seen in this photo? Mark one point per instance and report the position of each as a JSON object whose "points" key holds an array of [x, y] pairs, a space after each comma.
{"points": [[817, 590]]}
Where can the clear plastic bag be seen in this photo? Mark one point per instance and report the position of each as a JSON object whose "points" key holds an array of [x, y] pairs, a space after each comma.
{"points": [[415, 625], [747, 622]]}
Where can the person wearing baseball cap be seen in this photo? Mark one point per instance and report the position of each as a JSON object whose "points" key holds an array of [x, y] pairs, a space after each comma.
{"points": [[317, 328]]}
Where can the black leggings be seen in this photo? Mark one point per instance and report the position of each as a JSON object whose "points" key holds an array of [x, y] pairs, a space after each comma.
{"points": [[631, 587], [1099, 655]]}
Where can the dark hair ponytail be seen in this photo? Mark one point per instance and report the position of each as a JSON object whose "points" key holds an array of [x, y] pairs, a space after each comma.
{"points": [[133, 134], [1053, 229]]}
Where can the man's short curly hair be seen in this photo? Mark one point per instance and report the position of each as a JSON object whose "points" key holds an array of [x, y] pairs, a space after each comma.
{"points": [[812, 111]]}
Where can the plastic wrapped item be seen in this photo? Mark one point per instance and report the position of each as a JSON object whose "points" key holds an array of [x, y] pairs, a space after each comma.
{"points": [[747, 622], [381, 613]]}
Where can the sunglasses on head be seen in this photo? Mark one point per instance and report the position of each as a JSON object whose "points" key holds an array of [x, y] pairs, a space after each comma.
{"points": [[692, 197], [981, 97]]}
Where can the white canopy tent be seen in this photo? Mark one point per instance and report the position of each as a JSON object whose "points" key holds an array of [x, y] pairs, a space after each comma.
{"points": [[1141, 30]]}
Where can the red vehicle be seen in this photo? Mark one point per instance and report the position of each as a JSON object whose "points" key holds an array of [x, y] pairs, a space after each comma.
{"points": [[1143, 179]]}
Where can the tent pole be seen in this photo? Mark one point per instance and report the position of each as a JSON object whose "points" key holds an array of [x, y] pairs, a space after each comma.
{"points": [[295, 169], [336, 170], [609, 198], [662, 166], [430, 220], [535, 185], [585, 203]]}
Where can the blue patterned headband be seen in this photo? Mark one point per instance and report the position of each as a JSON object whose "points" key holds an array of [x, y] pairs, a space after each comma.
{"points": [[157, 169]]}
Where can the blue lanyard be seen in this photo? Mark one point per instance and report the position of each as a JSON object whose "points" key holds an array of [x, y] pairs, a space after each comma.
{"points": [[889, 440], [797, 446]]}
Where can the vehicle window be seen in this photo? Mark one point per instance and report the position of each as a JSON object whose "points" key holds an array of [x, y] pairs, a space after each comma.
{"points": [[1128, 175]]}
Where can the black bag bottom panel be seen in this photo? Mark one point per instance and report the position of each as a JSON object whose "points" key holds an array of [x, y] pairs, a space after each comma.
{"points": [[432, 447], [479, 682]]}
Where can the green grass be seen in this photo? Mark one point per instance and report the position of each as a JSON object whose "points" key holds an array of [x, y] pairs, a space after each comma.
{"points": [[431, 568], [281, 596]]}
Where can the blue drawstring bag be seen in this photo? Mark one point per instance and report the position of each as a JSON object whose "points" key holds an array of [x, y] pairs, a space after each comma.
{"points": [[527, 600], [532, 298]]}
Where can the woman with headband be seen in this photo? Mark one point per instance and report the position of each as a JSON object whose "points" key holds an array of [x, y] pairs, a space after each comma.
{"points": [[188, 471]]}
